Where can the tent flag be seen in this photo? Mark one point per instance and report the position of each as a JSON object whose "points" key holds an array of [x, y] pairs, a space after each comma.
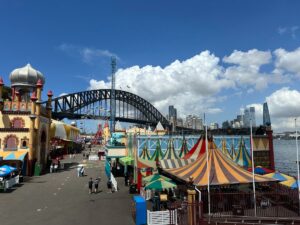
{"points": [[170, 153], [157, 155], [145, 153], [222, 170], [184, 149], [243, 157]]}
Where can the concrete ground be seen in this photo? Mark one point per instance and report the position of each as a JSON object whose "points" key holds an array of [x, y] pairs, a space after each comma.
{"points": [[62, 199]]}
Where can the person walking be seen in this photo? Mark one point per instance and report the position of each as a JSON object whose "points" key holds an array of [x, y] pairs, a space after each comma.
{"points": [[90, 186], [96, 183]]}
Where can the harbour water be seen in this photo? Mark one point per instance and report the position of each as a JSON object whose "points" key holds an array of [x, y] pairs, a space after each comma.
{"points": [[286, 156]]}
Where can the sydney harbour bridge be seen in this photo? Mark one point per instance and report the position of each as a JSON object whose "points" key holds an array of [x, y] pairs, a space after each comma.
{"points": [[96, 104]]}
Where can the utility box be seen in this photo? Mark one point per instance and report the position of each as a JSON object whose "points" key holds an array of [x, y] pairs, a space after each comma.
{"points": [[139, 210]]}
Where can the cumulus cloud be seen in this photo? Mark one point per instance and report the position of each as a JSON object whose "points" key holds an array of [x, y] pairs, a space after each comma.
{"points": [[191, 85], [287, 61], [246, 71], [284, 103]]}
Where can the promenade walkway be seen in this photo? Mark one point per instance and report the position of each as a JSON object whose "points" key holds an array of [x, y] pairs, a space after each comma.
{"points": [[62, 199]]}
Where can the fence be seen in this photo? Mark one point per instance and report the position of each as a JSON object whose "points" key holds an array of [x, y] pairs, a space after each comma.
{"points": [[268, 204], [162, 217]]}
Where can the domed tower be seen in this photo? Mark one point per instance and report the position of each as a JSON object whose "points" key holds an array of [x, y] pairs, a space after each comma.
{"points": [[26, 121], [23, 81]]}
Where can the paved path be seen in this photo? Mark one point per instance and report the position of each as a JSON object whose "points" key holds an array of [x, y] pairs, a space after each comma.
{"points": [[62, 198]]}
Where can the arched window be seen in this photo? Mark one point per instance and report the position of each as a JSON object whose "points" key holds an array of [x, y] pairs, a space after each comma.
{"points": [[11, 143], [17, 123], [24, 144]]}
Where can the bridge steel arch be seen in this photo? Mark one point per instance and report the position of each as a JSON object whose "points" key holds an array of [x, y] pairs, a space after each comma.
{"points": [[70, 106]]}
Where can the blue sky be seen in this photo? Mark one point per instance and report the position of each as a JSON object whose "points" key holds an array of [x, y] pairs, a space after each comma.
{"points": [[71, 42]]}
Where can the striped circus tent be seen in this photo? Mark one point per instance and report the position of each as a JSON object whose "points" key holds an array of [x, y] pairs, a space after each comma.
{"points": [[174, 163], [145, 153], [157, 155], [184, 149], [243, 157], [222, 171], [170, 153], [225, 150], [197, 150]]}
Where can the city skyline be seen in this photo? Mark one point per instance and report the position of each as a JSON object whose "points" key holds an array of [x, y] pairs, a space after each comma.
{"points": [[190, 61]]}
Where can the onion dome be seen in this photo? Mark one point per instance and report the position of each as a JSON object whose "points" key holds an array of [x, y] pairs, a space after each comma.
{"points": [[25, 77]]}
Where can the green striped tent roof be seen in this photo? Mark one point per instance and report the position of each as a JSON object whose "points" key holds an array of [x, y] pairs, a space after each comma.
{"points": [[145, 153], [170, 153], [157, 155], [243, 157], [184, 149]]}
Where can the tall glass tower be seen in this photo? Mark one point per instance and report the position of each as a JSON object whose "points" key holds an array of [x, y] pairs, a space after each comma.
{"points": [[266, 115]]}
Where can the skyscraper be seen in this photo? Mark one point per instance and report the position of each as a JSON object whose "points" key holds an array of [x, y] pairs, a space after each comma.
{"points": [[252, 116], [172, 113], [266, 115], [249, 114]]}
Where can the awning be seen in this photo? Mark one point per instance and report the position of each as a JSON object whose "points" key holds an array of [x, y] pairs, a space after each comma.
{"points": [[13, 155], [126, 161], [174, 163], [142, 163]]}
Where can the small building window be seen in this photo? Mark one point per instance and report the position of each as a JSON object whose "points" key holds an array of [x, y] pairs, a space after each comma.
{"points": [[24, 144], [11, 143], [17, 123]]}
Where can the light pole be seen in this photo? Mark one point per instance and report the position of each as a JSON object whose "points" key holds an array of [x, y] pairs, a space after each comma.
{"points": [[252, 162], [298, 173]]}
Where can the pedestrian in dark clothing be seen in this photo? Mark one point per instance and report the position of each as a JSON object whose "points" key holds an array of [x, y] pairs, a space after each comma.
{"points": [[96, 183], [126, 179], [90, 185]]}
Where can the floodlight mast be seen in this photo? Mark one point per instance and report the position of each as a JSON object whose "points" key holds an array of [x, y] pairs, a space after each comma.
{"points": [[113, 95]]}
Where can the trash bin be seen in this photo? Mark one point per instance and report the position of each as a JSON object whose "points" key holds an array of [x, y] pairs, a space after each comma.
{"points": [[237, 210], [37, 169], [133, 189]]}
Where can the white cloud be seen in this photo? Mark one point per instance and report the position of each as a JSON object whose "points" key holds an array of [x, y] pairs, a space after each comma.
{"points": [[284, 103], [287, 61], [190, 85], [246, 71], [88, 55]]}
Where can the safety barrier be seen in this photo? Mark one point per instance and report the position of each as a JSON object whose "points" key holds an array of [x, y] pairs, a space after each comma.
{"points": [[162, 217], [114, 182]]}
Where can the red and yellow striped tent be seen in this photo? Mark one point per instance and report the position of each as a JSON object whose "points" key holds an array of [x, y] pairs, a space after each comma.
{"points": [[197, 150], [223, 171]]}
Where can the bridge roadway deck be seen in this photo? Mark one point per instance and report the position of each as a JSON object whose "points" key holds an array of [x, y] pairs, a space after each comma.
{"points": [[62, 199]]}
